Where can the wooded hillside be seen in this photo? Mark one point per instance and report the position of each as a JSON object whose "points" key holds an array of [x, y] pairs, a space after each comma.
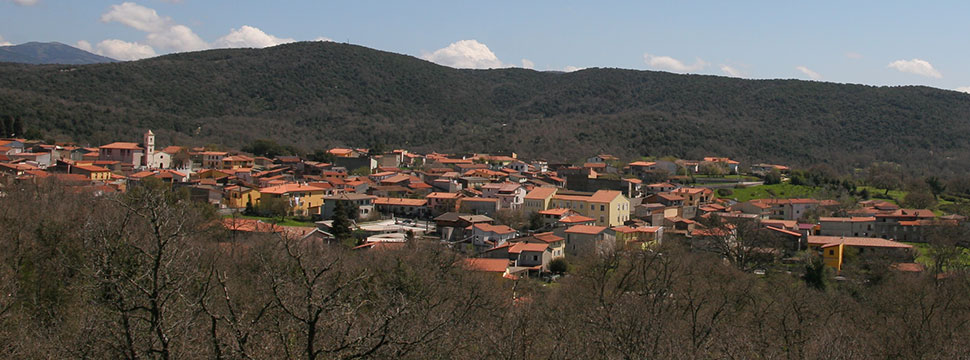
{"points": [[317, 94]]}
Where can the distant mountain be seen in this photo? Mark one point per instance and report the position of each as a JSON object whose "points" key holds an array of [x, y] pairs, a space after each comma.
{"points": [[49, 53], [314, 95]]}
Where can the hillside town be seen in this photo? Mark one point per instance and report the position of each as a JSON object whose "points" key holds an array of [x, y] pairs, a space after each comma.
{"points": [[510, 216]]}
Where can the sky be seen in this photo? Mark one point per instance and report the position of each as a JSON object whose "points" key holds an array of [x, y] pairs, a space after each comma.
{"points": [[859, 42]]}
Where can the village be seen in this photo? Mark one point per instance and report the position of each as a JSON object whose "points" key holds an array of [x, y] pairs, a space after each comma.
{"points": [[513, 217]]}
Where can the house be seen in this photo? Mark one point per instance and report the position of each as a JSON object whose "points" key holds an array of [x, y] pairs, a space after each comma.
{"points": [[364, 204], [535, 256], [303, 200], [95, 173], [834, 248], [478, 206], [488, 236], [633, 236], [665, 199], [847, 226], [695, 196], [499, 266], [510, 195], [127, 153], [585, 240], [213, 159], [608, 207], [442, 202], [660, 187], [557, 244], [237, 162], [551, 217], [41, 160], [730, 165], [239, 196], [538, 199], [762, 169], [402, 207]]}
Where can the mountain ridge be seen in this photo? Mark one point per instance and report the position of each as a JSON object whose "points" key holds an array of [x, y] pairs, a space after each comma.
{"points": [[319, 94], [49, 53]]}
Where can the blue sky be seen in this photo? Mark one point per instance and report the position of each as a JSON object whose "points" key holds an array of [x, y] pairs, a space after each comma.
{"points": [[867, 42]]}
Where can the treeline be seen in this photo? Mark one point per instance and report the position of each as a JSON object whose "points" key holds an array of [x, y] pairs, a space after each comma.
{"points": [[313, 95], [151, 275]]}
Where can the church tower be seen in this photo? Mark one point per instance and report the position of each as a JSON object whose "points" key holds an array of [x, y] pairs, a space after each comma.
{"points": [[149, 148]]}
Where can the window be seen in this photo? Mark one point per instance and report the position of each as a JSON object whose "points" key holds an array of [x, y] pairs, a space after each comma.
{"points": [[831, 252], [602, 207], [535, 258]]}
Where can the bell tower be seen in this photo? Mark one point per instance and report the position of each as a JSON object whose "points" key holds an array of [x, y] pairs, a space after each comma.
{"points": [[149, 148]]}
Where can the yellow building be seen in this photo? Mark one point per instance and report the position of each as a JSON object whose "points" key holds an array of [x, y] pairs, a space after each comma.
{"points": [[237, 162], [304, 200], [834, 249], [607, 207], [95, 173], [236, 196], [538, 199]]}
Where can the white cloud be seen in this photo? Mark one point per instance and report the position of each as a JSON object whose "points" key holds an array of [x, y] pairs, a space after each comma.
{"points": [[528, 64], [570, 68], [25, 2], [4, 42], [249, 37], [732, 72], [136, 16], [670, 64], [118, 49], [163, 32], [853, 55], [916, 66], [965, 89], [84, 45], [808, 72], [467, 54]]}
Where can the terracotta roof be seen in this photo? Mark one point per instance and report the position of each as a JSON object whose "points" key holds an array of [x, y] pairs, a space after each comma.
{"points": [[523, 246], [642, 163], [548, 237], [91, 168], [398, 201], [288, 188], [498, 229], [784, 231], [575, 219], [487, 265], [846, 219], [443, 195], [478, 199], [827, 241], [697, 190], [585, 229], [122, 145], [541, 193], [555, 212]]}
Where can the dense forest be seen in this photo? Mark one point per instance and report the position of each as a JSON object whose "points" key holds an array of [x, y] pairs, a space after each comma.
{"points": [[317, 94], [149, 274]]}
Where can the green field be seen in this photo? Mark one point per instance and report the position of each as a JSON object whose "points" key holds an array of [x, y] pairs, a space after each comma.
{"points": [[922, 257], [287, 222], [778, 191]]}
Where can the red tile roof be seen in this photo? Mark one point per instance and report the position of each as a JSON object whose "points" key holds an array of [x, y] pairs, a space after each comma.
{"points": [[585, 229], [827, 241], [522, 246], [122, 145], [541, 193], [487, 265], [288, 188]]}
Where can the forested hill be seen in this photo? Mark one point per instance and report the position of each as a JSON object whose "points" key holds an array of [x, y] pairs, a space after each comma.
{"points": [[318, 94]]}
